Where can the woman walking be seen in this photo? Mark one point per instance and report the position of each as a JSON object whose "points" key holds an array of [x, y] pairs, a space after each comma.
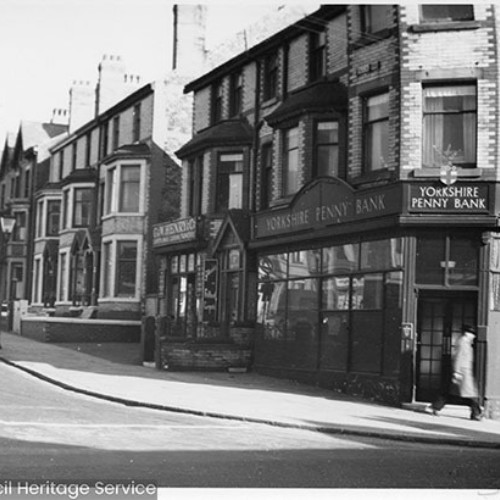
{"points": [[463, 380]]}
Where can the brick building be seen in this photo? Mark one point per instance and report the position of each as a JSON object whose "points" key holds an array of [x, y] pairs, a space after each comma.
{"points": [[339, 205]]}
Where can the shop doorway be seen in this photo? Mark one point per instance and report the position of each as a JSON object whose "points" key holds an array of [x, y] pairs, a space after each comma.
{"points": [[439, 324]]}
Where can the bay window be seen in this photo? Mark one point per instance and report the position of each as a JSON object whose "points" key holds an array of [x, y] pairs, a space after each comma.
{"points": [[82, 205], [229, 190], [123, 189], [53, 216], [327, 149], [449, 125], [291, 177]]}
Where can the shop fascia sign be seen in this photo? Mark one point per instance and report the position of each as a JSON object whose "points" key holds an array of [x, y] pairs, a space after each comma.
{"points": [[328, 202], [459, 197], [169, 233]]}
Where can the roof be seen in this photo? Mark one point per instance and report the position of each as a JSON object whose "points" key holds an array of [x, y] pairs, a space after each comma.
{"points": [[129, 151], [225, 133], [322, 96], [35, 133], [307, 24]]}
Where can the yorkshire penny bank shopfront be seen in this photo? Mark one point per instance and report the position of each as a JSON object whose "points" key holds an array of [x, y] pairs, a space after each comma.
{"points": [[365, 291]]}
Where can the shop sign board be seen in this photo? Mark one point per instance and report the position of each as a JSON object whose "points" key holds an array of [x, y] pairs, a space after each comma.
{"points": [[328, 202], [168, 233], [436, 198]]}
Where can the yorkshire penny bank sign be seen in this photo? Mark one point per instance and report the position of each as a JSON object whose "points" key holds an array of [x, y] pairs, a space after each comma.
{"points": [[328, 202], [464, 198]]}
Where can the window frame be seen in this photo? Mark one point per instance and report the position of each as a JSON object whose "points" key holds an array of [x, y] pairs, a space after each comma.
{"points": [[448, 158], [223, 176], [236, 93], [317, 145], [116, 132], [195, 186], [373, 18], [109, 276], [317, 55], [266, 160], [136, 122], [368, 129], [217, 101], [287, 151], [271, 76]]}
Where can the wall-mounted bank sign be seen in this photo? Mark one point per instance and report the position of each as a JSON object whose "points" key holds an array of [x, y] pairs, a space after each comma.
{"points": [[168, 233], [326, 202], [436, 198]]}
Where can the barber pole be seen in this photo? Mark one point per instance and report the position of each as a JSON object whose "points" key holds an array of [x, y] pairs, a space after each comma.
{"points": [[448, 174]]}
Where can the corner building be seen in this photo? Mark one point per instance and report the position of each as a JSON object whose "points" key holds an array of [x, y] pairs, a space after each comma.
{"points": [[339, 205]]}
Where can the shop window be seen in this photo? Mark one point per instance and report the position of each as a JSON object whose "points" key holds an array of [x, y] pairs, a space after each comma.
{"points": [[381, 254], [53, 217], [446, 13], [317, 56], [336, 293], [376, 132], [447, 261], [367, 291], [236, 94], [229, 189], [126, 268], [217, 102], [304, 263], [267, 174], [449, 126], [374, 18], [183, 298], [136, 123], [327, 149], [291, 174], [341, 259], [271, 76], [82, 207], [195, 189]]}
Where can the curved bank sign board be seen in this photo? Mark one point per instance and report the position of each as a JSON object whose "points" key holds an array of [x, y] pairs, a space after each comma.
{"points": [[326, 202]]}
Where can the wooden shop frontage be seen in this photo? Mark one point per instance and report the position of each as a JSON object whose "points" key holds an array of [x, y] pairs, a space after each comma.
{"points": [[361, 290]]}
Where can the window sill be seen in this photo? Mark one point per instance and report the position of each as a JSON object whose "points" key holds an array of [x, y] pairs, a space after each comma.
{"points": [[375, 176], [444, 26], [266, 103], [371, 38], [436, 172]]}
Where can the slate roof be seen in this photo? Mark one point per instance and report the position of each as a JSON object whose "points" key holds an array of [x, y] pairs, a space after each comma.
{"points": [[225, 133]]}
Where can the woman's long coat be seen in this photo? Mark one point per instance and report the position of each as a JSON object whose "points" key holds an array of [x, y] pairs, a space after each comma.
{"points": [[463, 364]]}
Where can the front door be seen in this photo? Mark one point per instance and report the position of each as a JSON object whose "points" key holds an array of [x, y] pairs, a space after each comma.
{"points": [[439, 324]]}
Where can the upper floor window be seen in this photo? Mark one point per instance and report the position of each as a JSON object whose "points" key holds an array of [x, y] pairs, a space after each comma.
{"points": [[229, 189], [39, 219], [123, 188], [53, 216], [2, 196], [73, 156], [103, 137], [267, 174], [88, 143], [136, 127], [271, 76], [82, 205], [27, 183], [61, 163], [236, 94], [195, 179], [116, 132], [376, 132], [375, 18], [327, 149], [217, 101], [449, 128], [317, 56], [446, 13], [291, 177]]}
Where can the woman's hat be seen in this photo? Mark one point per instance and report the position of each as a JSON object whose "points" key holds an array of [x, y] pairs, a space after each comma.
{"points": [[468, 328]]}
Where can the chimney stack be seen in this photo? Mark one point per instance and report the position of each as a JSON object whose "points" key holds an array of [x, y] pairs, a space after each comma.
{"points": [[81, 104], [60, 116], [189, 55]]}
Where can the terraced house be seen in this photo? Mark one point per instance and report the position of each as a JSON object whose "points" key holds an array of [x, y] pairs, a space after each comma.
{"points": [[339, 206]]}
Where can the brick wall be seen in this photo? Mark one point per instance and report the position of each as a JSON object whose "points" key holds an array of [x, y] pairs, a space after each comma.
{"points": [[77, 330]]}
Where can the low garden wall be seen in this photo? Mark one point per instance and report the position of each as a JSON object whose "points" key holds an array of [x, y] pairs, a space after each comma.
{"points": [[54, 329]]}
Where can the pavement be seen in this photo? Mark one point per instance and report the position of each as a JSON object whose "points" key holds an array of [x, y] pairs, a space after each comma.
{"points": [[115, 373]]}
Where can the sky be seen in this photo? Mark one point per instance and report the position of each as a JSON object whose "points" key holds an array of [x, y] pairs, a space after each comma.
{"points": [[46, 44]]}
